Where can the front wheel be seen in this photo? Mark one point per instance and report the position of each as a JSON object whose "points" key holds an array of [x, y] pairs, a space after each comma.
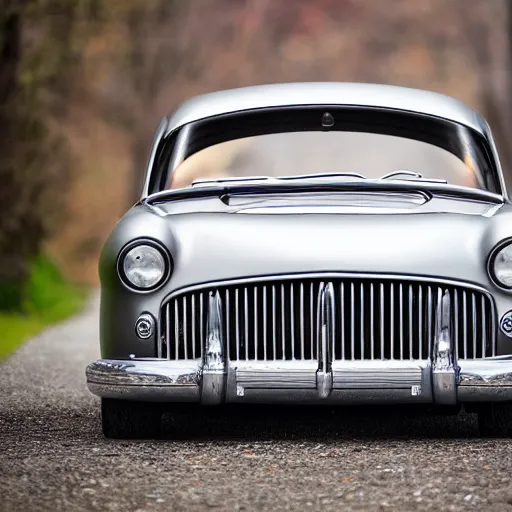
{"points": [[124, 419], [495, 419]]}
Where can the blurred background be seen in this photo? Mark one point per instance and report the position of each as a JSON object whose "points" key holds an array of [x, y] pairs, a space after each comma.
{"points": [[84, 83]]}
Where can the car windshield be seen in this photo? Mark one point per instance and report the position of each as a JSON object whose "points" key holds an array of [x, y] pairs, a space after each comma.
{"points": [[308, 153]]}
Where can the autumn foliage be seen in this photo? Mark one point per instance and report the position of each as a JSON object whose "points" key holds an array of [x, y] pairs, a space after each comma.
{"points": [[90, 80]]}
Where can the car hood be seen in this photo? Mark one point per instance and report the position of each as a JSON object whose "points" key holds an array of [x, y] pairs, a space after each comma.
{"points": [[215, 246]]}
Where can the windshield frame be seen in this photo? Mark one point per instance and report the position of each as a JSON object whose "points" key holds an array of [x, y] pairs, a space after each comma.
{"points": [[172, 149]]}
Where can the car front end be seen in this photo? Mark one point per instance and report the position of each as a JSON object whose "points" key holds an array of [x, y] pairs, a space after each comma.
{"points": [[330, 288], [266, 306]]}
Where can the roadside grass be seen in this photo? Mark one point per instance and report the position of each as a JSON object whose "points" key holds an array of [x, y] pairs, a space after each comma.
{"points": [[48, 298]]}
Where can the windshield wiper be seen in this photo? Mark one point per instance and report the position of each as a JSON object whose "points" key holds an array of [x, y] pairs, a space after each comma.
{"points": [[403, 175], [299, 177], [411, 176], [242, 179], [230, 179], [323, 175]]}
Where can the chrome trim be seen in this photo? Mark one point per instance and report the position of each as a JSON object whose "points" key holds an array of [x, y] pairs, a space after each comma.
{"points": [[362, 324], [193, 313], [443, 365], [157, 139], [214, 368], [185, 344], [246, 323], [283, 342], [301, 306], [465, 321], [401, 319], [325, 338], [342, 301], [372, 321], [327, 275], [379, 374], [237, 323], [265, 322], [276, 375], [496, 371], [274, 324], [411, 335], [295, 381], [420, 321], [382, 316], [494, 209], [352, 319], [391, 319], [176, 331], [255, 323], [148, 322], [148, 379], [506, 324], [292, 326]]}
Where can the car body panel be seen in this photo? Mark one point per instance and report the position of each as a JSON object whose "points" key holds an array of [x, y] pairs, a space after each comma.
{"points": [[325, 93]]}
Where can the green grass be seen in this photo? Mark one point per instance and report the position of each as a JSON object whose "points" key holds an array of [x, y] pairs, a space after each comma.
{"points": [[47, 298]]}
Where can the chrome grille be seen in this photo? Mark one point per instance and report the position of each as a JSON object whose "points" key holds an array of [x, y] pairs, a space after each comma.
{"points": [[374, 319]]}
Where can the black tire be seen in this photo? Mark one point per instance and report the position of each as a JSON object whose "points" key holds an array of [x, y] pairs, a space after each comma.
{"points": [[495, 420], [124, 419]]}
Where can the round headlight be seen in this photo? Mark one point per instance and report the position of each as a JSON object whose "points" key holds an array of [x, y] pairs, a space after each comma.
{"points": [[502, 266], [144, 266]]}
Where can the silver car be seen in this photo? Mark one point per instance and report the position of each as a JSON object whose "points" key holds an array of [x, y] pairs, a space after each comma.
{"points": [[311, 243]]}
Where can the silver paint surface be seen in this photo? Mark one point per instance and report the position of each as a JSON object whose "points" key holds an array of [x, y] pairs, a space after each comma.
{"points": [[325, 93]]}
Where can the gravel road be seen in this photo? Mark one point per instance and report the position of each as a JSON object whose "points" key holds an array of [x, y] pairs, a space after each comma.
{"points": [[53, 455]]}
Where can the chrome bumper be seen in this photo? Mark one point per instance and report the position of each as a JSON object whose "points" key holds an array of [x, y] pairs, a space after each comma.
{"points": [[363, 382], [214, 379]]}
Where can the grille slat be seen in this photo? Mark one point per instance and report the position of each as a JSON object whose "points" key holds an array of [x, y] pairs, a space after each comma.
{"points": [[264, 323], [474, 318], [362, 333], [401, 318], [373, 318], [301, 308], [274, 323], [382, 317], [246, 322], [465, 322], [255, 309], [372, 323]]}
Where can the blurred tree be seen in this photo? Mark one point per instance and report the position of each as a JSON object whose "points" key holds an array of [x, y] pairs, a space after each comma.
{"points": [[147, 56], [38, 48], [487, 31]]}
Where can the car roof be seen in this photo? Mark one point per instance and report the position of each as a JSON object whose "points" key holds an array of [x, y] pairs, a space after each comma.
{"points": [[326, 93]]}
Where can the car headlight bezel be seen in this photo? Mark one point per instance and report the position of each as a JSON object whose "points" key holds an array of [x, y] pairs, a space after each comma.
{"points": [[491, 267], [168, 264]]}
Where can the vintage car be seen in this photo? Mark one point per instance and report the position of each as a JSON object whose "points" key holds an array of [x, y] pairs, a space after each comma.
{"points": [[311, 243]]}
